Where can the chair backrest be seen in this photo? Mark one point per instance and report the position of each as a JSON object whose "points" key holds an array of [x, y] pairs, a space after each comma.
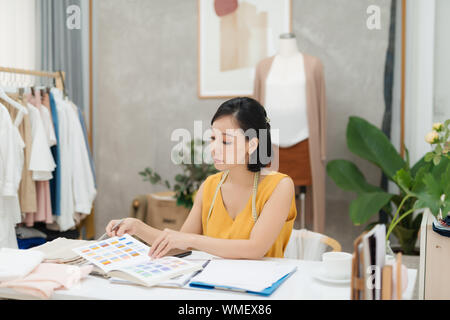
{"points": [[308, 245]]}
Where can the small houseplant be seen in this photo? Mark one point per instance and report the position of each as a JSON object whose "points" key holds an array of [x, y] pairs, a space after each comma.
{"points": [[431, 187], [187, 182], [419, 184]]}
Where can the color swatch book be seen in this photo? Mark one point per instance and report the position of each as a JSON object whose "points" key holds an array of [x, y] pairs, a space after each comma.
{"points": [[127, 258], [176, 282]]}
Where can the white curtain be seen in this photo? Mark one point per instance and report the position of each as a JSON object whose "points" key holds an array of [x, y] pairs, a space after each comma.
{"points": [[66, 49], [441, 62], [18, 45]]}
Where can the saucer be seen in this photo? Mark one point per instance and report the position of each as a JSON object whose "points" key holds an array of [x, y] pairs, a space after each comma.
{"points": [[320, 276]]}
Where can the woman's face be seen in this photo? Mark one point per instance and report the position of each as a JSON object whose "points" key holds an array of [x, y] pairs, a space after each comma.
{"points": [[229, 147]]}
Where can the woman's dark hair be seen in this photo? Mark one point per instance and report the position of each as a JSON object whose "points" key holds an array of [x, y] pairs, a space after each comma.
{"points": [[250, 114]]}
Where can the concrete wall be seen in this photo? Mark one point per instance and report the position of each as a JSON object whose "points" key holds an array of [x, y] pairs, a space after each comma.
{"points": [[146, 86]]}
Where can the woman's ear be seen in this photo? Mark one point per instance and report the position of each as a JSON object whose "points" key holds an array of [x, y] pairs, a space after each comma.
{"points": [[252, 145]]}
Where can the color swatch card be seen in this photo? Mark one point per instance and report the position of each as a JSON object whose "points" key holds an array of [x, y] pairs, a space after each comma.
{"points": [[127, 258], [115, 252], [169, 267]]}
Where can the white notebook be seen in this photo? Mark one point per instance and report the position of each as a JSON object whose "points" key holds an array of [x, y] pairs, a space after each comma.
{"points": [[251, 275]]}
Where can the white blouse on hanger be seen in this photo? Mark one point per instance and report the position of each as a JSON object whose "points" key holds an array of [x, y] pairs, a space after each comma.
{"points": [[42, 163], [285, 100], [77, 182], [65, 219], [48, 125], [84, 190], [11, 164]]}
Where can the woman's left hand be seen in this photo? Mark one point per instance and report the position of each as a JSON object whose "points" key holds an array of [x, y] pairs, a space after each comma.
{"points": [[169, 239]]}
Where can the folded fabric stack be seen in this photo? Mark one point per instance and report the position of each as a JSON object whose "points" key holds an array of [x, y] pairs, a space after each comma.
{"points": [[23, 271], [29, 237], [60, 251]]}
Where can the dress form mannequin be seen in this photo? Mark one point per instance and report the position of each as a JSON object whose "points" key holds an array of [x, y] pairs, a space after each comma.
{"points": [[285, 99], [303, 160], [286, 108]]}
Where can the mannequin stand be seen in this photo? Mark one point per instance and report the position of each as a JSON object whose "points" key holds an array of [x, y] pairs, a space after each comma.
{"points": [[295, 162]]}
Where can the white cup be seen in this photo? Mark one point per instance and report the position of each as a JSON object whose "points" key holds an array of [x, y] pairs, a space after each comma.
{"points": [[337, 265]]}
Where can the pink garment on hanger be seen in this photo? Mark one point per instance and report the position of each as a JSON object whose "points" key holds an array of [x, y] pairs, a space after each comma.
{"points": [[47, 277], [44, 207]]}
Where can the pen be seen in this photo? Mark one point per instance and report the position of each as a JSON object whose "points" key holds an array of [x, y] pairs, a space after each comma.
{"points": [[203, 267], [105, 235]]}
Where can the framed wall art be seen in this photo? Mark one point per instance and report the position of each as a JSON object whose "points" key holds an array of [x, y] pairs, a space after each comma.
{"points": [[233, 36]]}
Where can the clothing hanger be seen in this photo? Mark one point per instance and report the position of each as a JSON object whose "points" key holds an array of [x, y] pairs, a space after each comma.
{"points": [[289, 35], [15, 104], [21, 92], [22, 110], [63, 85], [47, 87]]}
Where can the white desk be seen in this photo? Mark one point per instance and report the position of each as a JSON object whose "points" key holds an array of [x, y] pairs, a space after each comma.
{"points": [[300, 286]]}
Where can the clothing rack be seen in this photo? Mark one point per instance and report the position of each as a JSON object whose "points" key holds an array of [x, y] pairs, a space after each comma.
{"points": [[59, 76], [59, 79]]}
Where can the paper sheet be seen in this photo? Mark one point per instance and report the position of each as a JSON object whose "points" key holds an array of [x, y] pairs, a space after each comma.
{"points": [[244, 274]]}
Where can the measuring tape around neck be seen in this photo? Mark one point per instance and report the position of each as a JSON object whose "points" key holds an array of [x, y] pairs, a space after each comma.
{"points": [[255, 189]]}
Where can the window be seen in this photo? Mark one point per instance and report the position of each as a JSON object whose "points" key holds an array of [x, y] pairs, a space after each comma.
{"points": [[441, 62], [18, 45]]}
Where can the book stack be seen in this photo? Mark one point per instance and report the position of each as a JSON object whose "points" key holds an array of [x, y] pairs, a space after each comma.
{"points": [[375, 276]]}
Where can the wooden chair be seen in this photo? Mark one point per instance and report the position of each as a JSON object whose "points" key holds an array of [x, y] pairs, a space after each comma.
{"points": [[308, 245]]}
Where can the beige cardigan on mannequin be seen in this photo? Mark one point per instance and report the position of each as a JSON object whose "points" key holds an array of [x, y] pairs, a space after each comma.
{"points": [[316, 112]]}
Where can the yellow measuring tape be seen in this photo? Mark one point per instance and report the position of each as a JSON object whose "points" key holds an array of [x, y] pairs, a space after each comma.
{"points": [[255, 189]]}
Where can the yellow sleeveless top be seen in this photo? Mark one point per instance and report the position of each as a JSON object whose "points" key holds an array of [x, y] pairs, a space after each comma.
{"points": [[221, 225]]}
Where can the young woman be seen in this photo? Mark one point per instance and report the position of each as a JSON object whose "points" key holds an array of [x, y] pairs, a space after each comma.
{"points": [[242, 212]]}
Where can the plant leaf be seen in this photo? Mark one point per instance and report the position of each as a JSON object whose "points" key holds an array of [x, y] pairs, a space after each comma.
{"points": [[419, 164], [430, 197], [445, 182], [348, 177], [429, 156], [439, 170], [433, 186], [179, 178], [370, 143], [368, 204], [418, 184], [407, 157], [436, 159], [403, 178]]}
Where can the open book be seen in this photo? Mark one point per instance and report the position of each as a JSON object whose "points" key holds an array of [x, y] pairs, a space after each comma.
{"points": [[127, 258]]}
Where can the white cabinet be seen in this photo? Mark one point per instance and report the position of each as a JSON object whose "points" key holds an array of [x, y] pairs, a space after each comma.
{"points": [[434, 282]]}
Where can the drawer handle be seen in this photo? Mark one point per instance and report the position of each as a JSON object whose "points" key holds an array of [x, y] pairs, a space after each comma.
{"points": [[165, 220]]}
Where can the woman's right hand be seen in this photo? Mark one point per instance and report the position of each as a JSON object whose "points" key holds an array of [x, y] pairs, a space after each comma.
{"points": [[129, 225]]}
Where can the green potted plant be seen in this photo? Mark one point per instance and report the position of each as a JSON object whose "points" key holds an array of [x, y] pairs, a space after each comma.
{"points": [[187, 182], [417, 184], [431, 186]]}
